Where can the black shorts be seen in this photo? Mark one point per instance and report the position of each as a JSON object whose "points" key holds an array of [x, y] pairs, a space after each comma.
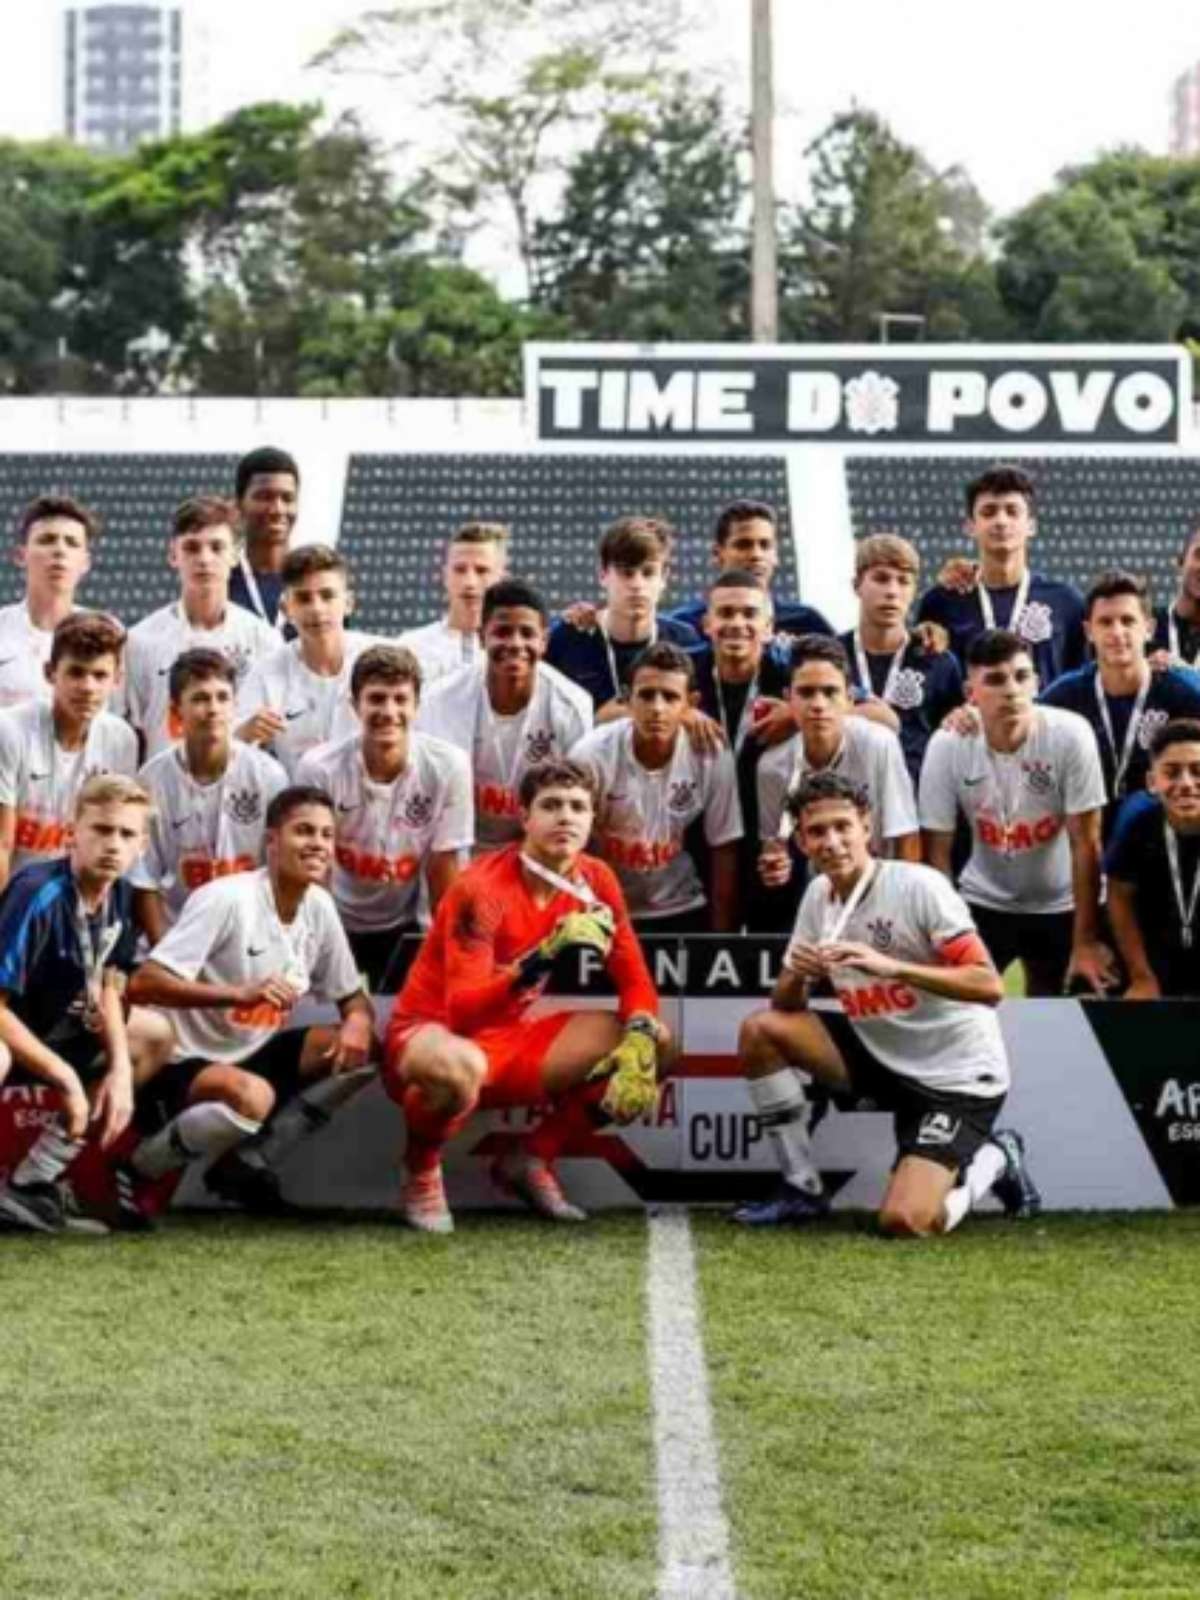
{"points": [[278, 1061], [936, 1124], [384, 955], [1041, 941]]}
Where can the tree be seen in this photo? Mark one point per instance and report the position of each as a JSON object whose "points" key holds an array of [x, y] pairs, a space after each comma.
{"points": [[650, 240], [508, 87], [883, 232]]}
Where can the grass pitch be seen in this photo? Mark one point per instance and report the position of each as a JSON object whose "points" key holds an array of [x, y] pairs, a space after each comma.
{"points": [[232, 1411]]}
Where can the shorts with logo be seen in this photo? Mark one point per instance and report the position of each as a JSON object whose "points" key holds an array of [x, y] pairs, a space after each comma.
{"points": [[938, 1125], [166, 1095], [515, 1051]]}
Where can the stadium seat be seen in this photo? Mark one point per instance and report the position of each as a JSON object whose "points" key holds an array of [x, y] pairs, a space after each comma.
{"points": [[1093, 512]]}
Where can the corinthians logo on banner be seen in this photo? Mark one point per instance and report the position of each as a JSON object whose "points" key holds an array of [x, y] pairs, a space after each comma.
{"points": [[873, 395]]}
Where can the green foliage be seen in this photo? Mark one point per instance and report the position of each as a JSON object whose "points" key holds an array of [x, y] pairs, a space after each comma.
{"points": [[649, 242]]}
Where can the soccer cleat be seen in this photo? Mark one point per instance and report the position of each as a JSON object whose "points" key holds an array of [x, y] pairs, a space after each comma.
{"points": [[534, 1181], [74, 1219], [136, 1208], [37, 1206], [423, 1202], [1014, 1188], [248, 1184], [787, 1207]]}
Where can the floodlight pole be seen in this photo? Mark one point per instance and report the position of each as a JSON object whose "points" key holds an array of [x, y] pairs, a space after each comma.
{"points": [[764, 270]]}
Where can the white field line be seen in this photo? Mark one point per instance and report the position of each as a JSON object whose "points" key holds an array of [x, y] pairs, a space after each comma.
{"points": [[693, 1536]]}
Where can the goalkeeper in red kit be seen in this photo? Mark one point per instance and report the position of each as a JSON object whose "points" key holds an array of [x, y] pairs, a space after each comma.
{"points": [[460, 1035]]}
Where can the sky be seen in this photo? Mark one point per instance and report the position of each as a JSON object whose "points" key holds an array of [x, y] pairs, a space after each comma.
{"points": [[1010, 89]]}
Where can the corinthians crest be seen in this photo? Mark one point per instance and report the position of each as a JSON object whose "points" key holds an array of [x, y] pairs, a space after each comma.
{"points": [[1039, 778], [880, 933], [908, 691], [681, 796], [1036, 624], [238, 657], [244, 806], [418, 809], [1151, 722], [539, 745]]}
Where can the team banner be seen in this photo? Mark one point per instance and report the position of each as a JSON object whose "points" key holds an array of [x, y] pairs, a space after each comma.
{"points": [[992, 395]]}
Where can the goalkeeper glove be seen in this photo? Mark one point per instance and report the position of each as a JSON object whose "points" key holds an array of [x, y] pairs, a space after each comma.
{"points": [[578, 930], [631, 1070]]}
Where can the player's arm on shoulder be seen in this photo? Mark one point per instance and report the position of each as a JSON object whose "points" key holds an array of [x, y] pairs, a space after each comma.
{"points": [[873, 709], [612, 711]]}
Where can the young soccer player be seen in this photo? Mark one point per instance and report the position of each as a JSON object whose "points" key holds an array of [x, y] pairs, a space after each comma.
{"points": [[1153, 869], [829, 739], [635, 555], [923, 1041], [1119, 694], [49, 751], [888, 660], [67, 939], [1176, 641], [509, 712], [245, 950], [476, 557], [203, 550], [658, 799], [461, 1035], [55, 535], [1001, 591], [267, 488], [402, 808], [1030, 785], [299, 695], [747, 537], [211, 793]]}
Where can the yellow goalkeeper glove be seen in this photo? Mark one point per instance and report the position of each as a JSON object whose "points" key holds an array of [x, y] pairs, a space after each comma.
{"points": [[632, 1071], [578, 930]]}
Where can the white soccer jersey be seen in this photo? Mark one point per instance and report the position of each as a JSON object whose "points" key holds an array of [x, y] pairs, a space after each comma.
{"points": [[315, 710], [230, 932], [909, 912], [24, 654], [643, 816], [1017, 805], [501, 748], [387, 831], [40, 779], [153, 645], [441, 649], [870, 755], [202, 831]]}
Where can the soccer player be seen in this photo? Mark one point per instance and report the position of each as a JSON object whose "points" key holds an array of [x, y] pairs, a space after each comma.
{"points": [[656, 794], [635, 555], [918, 991], [829, 739], [1153, 869], [1119, 693], [476, 557], [299, 695], [245, 950], [886, 658], [48, 752], [1029, 782], [267, 487], [402, 808], [461, 1035], [203, 550], [509, 712], [1001, 591], [210, 791], [67, 939], [747, 537], [55, 535], [1176, 641]]}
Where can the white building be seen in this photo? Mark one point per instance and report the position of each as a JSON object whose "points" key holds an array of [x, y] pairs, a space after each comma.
{"points": [[130, 72]]}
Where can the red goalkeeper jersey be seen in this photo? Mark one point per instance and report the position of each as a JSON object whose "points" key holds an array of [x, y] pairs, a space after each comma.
{"points": [[485, 923]]}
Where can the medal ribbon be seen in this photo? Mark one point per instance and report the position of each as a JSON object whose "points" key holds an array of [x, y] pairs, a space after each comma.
{"points": [[1186, 905], [1122, 758], [989, 614]]}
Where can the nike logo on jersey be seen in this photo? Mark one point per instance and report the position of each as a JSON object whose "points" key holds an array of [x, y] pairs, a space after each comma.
{"points": [[178, 822], [344, 809], [162, 671], [972, 783], [290, 716], [252, 953], [4, 660], [38, 777]]}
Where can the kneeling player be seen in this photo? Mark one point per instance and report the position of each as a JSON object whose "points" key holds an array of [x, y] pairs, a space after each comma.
{"points": [[918, 987], [460, 1035], [244, 951], [67, 937]]}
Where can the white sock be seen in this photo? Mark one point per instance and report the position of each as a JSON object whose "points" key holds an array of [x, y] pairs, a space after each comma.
{"points": [[986, 1166], [48, 1157], [783, 1110], [207, 1129], [305, 1114]]}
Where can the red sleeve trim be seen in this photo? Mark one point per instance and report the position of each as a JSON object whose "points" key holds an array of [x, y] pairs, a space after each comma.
{"points": [[964, 950]]}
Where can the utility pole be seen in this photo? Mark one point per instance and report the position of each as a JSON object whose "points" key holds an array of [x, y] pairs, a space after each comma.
{"points": [[764, 268]]}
